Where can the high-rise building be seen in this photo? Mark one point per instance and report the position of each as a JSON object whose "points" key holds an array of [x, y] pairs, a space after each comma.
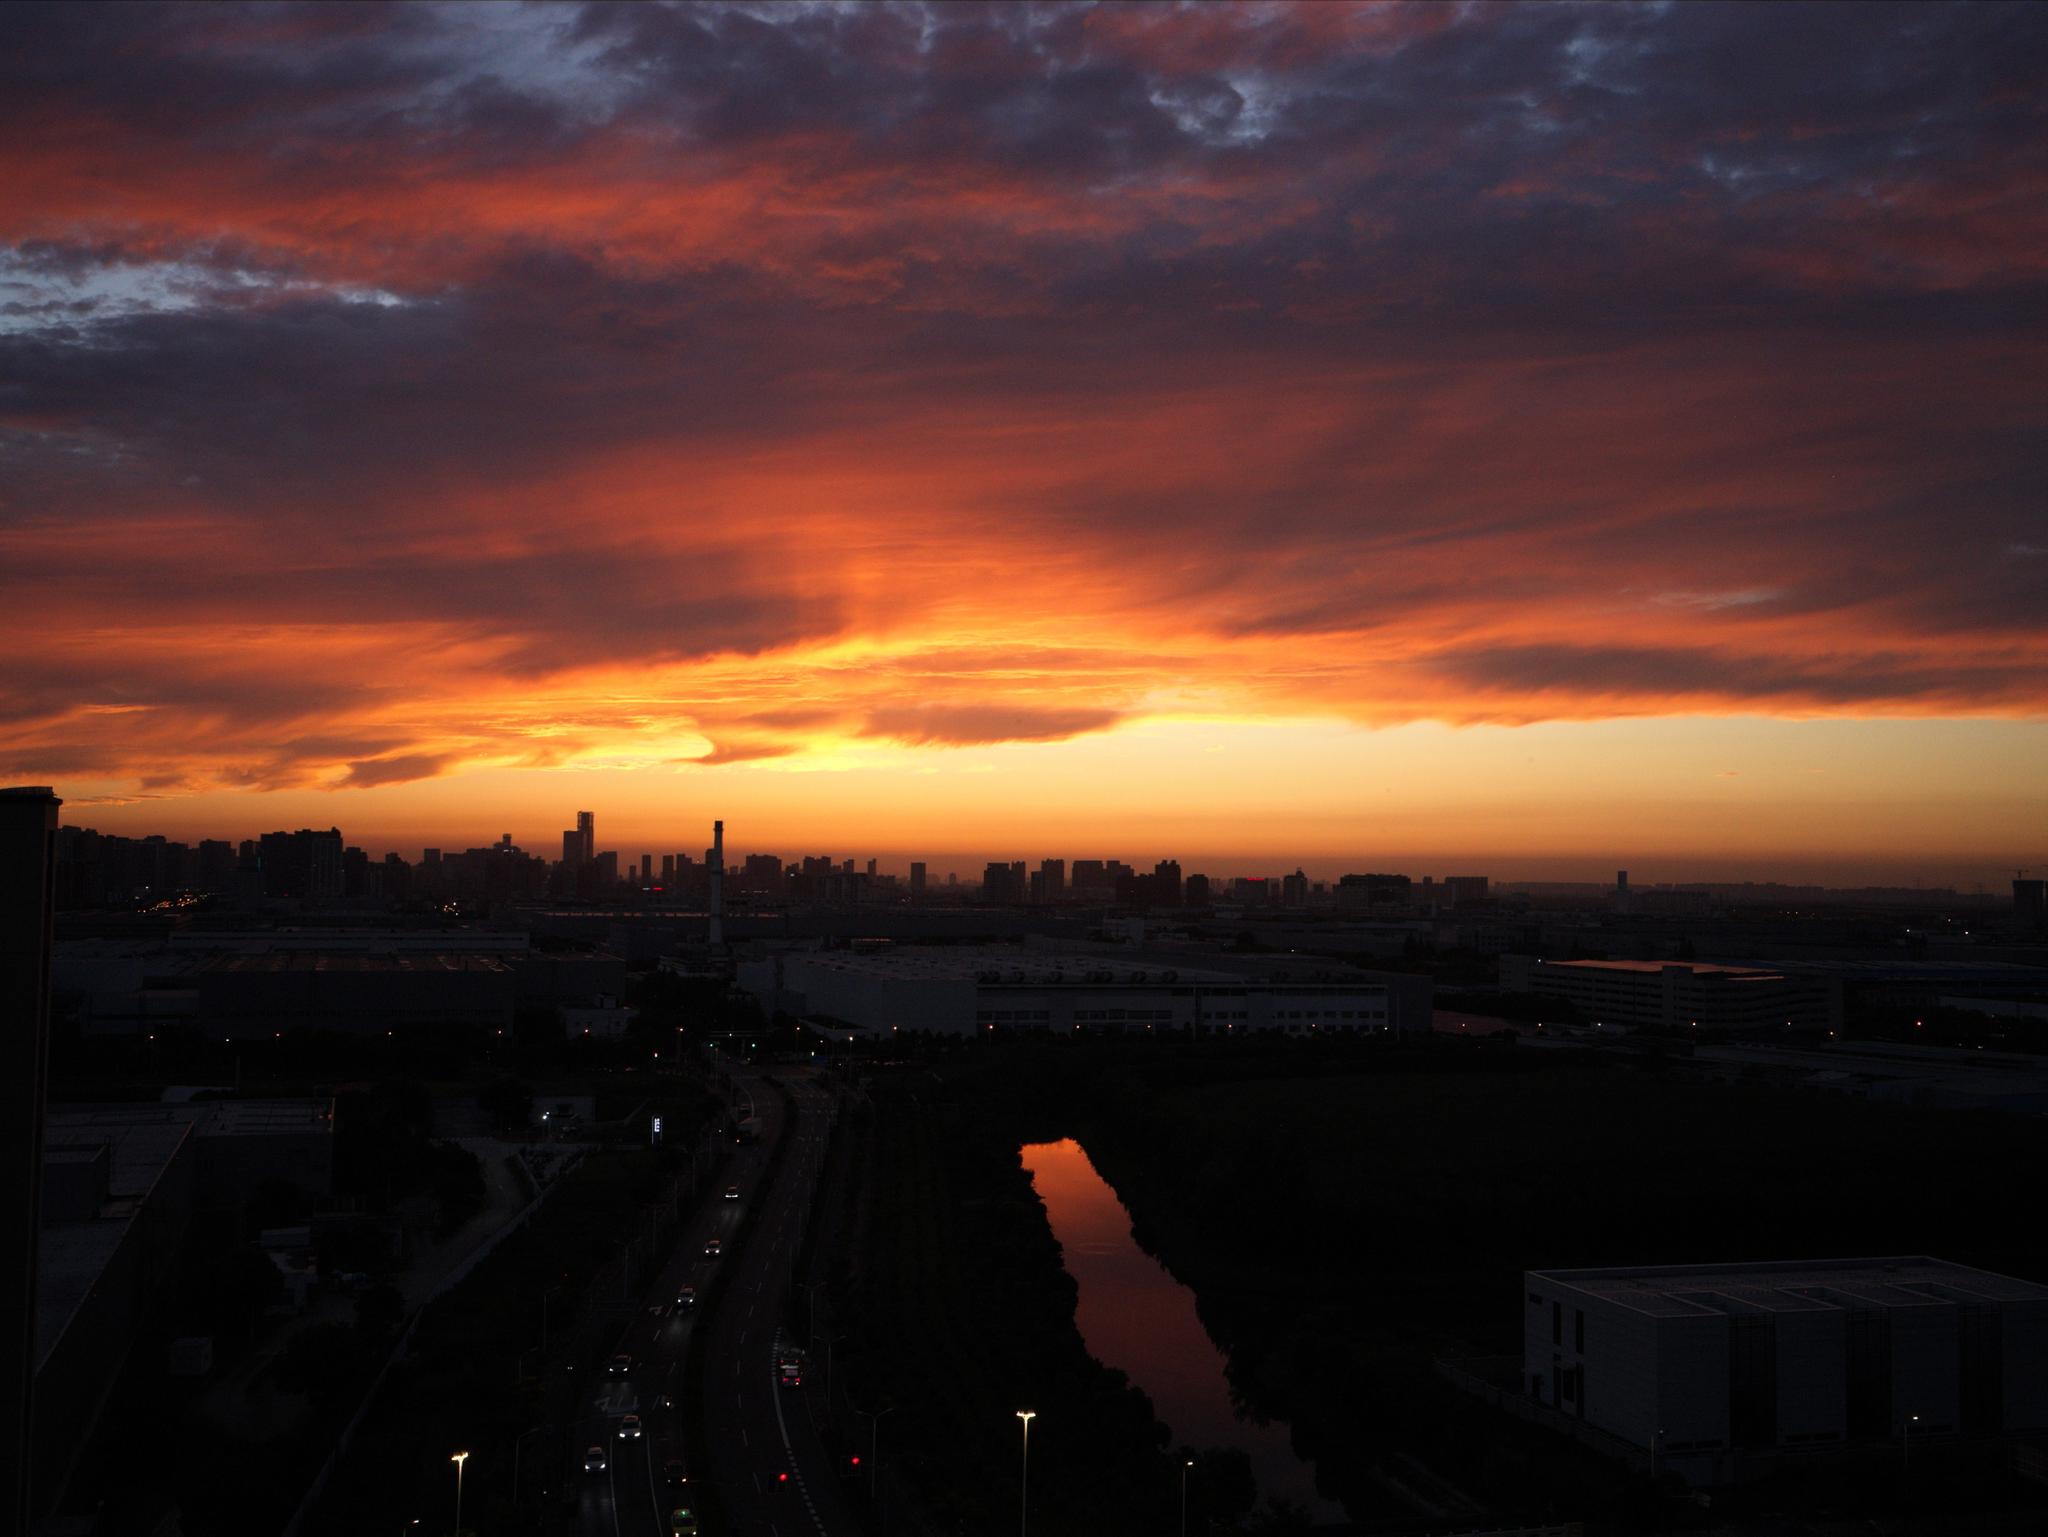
{"points": [[1294, 889], [916, 880], [28, 873], [302, 864], [1166, 888], [586, 832], [1465, 889], [1054, 879]]}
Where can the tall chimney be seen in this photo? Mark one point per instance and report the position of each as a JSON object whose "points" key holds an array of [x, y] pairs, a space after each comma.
{"points": [[718, 885]]}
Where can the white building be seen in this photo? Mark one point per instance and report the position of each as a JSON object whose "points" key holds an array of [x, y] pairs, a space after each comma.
{"points": [[1670, 995], [1701, 1365], [946, 990]]}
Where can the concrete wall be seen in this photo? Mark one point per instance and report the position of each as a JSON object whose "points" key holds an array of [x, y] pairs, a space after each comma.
{"points": [[2024, 1334], [1924, 1358], [1813, 1377], [1692, 1380]]}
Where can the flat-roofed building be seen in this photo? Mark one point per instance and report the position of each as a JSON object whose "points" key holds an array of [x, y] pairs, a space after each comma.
{"points": [[1703, 1366], [1671, 995], [971, 991]]}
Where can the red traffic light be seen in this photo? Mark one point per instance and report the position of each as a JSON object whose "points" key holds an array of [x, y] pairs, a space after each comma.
{"points": [[782, 1478], [855, 1461]]}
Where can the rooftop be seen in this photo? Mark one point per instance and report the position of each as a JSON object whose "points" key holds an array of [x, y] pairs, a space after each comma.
{"points": [[1675, 1291], [70, 1256], [997, 964], [1654, 968]]}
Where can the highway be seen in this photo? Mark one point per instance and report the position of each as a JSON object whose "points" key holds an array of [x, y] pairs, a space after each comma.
{"points": [[765, 1458]]}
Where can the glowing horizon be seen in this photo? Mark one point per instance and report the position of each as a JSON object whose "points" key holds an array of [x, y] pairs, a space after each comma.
{"points": [[1547, 437]]}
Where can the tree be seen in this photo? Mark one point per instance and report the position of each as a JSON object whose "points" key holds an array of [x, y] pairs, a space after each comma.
{"points": [[509, 1103], [379, 1310]]}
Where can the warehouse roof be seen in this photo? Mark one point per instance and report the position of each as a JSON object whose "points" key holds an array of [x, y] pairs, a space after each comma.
{"points": [[1670, 1291]]}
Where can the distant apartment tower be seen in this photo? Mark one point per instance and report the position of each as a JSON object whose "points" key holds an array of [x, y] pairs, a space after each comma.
{"points": [[1294, 889], [1053, 873], [1003, 881], [572, 848], [1464, 890], [1166, 886], [302, 864], [1374, 890], [28, 873], [586, 834], [762, 873], [1717, 1368], [917, 880], [1621, 891], [2030, 898]]}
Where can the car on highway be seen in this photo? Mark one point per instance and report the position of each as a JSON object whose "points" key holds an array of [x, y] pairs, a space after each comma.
{"points": [[674, 1476], [713, 1247], [629, 1427], [620, 1365], [594, 1460], [682, 1522], [686, 1298], [732, 1192]]}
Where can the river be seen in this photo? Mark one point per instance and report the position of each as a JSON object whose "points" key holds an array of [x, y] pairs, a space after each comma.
{"points": [[1136, 1317]]}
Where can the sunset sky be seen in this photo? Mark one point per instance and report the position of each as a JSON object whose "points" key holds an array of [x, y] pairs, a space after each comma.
{"points": [[1522, 439]]}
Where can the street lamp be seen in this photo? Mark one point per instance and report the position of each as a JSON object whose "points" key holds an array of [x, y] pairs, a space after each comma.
{"points": [[874, 1418], [458, 1459], [1024, 1477], [1184, 1497], [517, 1442]]}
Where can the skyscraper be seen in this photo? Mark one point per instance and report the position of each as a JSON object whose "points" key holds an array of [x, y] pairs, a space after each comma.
{"points": [[586, 829]]}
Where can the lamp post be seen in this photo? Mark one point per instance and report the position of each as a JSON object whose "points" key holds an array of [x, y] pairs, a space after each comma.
{"points": [[874, 1418], [1184, 1497], [458, 1459], [1024, 1476], [517, 1442]]}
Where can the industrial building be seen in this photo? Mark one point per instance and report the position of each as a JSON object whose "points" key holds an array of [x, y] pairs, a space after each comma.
{"points": [[946, 990], [1671, 995], [1712, 1369]]}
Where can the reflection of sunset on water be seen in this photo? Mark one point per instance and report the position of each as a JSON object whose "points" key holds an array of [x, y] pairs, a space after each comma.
{"points": [[1135, 1317]]}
